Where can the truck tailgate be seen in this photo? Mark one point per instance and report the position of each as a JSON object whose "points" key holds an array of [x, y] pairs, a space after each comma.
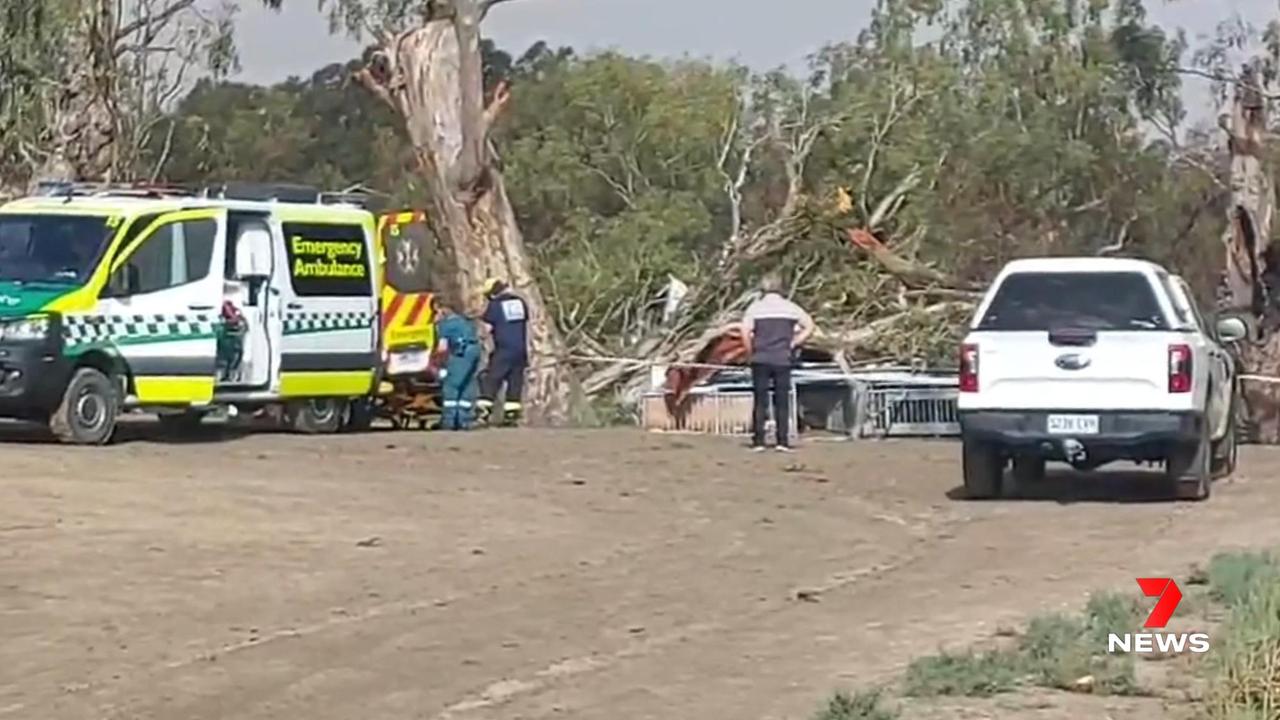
{"points": [[1118, 370]]}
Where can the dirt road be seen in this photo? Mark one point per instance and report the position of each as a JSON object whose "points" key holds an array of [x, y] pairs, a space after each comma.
{"points": [[526, 574]]}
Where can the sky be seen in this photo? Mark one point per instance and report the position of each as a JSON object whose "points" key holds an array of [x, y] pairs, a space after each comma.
{"points": [[760, 33]]}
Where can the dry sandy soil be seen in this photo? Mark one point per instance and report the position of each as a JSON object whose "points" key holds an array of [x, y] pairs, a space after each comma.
{"points": [[528, 574]]}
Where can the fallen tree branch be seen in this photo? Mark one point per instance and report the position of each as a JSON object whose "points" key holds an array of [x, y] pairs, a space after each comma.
{"points": [[852, 338], [910, 273], [943, 293]]}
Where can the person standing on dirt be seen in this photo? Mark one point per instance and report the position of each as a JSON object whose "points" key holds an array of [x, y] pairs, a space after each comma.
{"points": [[507, 316], [460, 344], [773, 329]]}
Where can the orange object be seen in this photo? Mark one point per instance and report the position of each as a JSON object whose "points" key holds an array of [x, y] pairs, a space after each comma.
{"points": [[727, 348]]}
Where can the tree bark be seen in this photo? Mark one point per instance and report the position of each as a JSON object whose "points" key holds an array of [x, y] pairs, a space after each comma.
{"points": [[85, 125], [1244, 286], [429, 76]]}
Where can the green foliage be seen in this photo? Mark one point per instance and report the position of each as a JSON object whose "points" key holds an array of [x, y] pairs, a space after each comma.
{"points": [[1244, 666], [611, 163], [1236, 577], [1056, 651], [1019, 129], [966, 674], [32, 59], [322, 131], [863, 705]]}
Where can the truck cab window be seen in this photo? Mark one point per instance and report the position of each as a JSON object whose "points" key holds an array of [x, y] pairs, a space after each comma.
{"points": [[1053, 300]]}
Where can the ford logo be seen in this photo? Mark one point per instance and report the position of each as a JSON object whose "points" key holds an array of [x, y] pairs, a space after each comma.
{"points": [[1072, 361]]}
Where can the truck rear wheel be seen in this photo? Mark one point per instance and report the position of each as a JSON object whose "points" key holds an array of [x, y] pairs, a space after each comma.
{"points": [[983, 467], [317, 416], [1188, 468], [88, 411], [1226, 451]]}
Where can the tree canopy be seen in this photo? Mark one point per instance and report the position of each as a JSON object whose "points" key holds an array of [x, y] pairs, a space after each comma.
{"points": [[886, 182]]}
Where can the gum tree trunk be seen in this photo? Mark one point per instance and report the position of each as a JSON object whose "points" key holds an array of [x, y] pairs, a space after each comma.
{"points": [[432, 77], [1248, 271]]}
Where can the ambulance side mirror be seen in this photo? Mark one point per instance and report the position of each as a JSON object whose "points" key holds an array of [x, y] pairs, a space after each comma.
{"points": [[253, 253]]}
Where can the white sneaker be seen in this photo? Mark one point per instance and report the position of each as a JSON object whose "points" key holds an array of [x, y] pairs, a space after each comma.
{"points": [[758, 448], [784, 448]]}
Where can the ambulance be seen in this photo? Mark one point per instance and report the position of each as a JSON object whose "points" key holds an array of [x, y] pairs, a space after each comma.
{"points": [[182, 301]]}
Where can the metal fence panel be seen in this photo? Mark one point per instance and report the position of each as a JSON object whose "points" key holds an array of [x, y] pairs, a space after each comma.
{"points": [[712, 411], [904, 410]]}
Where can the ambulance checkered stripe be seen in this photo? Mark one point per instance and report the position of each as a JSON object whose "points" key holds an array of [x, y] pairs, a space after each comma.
{"points": [[304, 322], [79, 329]]}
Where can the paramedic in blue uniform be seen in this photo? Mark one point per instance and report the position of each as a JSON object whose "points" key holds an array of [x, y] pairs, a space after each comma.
{"points": [[507, 315], [457, 339]]}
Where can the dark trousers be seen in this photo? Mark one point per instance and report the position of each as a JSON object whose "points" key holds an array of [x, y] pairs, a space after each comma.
{"points": [[775, 378], [505, 368]]}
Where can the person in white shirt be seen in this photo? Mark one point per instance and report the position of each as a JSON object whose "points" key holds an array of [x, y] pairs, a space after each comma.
{"points": [[773, 328]]}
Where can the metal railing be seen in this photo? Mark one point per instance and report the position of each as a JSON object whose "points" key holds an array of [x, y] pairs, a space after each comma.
{"points": [[709, 410], [904, 410]]}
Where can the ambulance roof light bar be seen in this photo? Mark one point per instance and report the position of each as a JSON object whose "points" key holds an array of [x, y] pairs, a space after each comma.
{"points": [[356, 196], [68, 190]]}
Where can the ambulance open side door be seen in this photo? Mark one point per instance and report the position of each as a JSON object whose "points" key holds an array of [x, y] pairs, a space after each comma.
{"points": [[159, 308]]}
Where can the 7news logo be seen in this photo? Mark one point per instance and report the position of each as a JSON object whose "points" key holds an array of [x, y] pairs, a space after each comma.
{"points": [[1168, 594]]}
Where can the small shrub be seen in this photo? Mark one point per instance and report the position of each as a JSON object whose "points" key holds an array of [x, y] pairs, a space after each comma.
{"points": [[1245, 663], [1055, 651], [1233, 577], [862, 705], [1058, 650], [1110, 612], [968, 674]]}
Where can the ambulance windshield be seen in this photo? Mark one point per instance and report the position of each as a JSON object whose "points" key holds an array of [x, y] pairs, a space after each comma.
{"points": [[53, 248]]}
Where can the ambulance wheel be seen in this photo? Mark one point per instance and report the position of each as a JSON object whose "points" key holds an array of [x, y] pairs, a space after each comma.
{"points": [[88, 411], [317, 416]]}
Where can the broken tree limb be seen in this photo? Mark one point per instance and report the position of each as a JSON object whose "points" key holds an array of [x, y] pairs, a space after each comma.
{"points": [[850, 339], [910, 273]]}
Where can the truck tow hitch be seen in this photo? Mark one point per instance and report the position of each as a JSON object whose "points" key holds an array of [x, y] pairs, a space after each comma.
{"points": [[1074, 451]]}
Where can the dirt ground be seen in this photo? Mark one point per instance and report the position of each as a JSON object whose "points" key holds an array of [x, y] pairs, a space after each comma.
{"points": [[530, 574]]}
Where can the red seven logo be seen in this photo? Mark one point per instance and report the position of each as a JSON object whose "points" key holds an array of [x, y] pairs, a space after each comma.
{"points": [[1165, 589]]}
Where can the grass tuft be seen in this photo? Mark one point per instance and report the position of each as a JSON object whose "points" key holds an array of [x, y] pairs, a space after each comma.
{"points": [[1244, 664], [1234, 577], [1056, 651], [967, 674], [862, 705]]}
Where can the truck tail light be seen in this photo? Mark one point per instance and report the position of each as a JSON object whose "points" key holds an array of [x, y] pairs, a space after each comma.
{"points": [[1179, 368], [968, 368]]}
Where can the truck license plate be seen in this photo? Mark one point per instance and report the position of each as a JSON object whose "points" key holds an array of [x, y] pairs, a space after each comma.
{"points": [[1073, 424], [405, 362]]}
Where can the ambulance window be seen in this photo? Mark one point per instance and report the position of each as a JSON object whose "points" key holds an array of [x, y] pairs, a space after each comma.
{"points": [[330, 260], [174, 255]]}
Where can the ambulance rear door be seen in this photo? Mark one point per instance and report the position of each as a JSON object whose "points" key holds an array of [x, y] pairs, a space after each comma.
{"points": [[408, 328]]}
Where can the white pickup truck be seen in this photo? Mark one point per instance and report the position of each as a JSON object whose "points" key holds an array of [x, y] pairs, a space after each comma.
{"points": [[1090, 360]]}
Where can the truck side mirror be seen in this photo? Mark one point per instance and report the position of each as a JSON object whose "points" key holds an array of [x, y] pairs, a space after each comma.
{"points": [[253, 253], [1232, 329]]}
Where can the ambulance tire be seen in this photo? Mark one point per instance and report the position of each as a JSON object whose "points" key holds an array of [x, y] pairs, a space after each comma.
{"points": [[88, 411], [317, 416]]}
